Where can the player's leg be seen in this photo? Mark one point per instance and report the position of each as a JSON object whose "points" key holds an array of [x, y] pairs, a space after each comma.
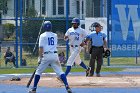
{"points": [[64, 79], [42, 66], [68, 69], [99, 62], [92, 61], [74, 53], [38, 72], [82, 64], [92, 65], [58, 70], [36, 80], [78, 59]]}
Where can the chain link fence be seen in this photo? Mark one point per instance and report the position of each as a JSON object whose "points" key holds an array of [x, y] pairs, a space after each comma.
{"points": [[21, 23]]}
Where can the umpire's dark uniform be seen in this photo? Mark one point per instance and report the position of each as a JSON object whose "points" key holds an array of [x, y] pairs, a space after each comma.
{"points": [[97, 42]]}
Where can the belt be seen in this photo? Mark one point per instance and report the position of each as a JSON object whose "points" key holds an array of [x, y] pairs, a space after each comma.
{"points": [[74, 45], [97, 46], [47, 52]]}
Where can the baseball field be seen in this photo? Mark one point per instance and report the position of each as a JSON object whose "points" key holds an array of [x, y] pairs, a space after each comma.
{"points": [[123, 79]]}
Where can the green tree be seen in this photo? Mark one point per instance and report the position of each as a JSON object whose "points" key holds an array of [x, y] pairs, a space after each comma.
{"points": [[3, 6], [8, 29], [30, 33], [30, 12], [30, 30]]}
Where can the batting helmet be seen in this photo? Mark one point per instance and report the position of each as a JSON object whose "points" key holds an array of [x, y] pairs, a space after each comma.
{"points": [[94, 25], [47, 26], [106, 53], [76, 20]]}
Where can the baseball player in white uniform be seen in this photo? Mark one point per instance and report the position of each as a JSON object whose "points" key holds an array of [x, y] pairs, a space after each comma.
{"points": [[76, 36], [48, 56]]}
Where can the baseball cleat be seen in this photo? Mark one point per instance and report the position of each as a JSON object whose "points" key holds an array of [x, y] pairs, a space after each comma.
{"points": [[88, 71], [69, 90], [32, 91], [90, 75], [98, 75]]}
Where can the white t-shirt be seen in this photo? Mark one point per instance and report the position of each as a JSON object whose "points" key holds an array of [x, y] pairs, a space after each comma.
{"points": [[48, 40], [76, 36]]}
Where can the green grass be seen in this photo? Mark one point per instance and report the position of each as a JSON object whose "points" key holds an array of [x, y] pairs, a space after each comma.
{"points": [[32, 62], [31, 70], [130, 61]]}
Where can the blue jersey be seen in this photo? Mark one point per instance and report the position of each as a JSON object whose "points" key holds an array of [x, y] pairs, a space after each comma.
{"points": [[97, 38]]}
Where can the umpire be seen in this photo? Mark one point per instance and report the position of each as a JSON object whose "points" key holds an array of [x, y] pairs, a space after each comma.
{"points": [[98, 43]]}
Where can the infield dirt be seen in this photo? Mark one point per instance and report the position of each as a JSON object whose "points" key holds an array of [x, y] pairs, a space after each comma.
{"points": [[85, 82]]}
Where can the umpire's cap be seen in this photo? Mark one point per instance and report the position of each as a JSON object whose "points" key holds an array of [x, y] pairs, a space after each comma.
{"points": [[76, 20], [94, 25], [47, 26]]}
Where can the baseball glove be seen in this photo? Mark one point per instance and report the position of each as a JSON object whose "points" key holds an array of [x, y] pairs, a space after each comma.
{"points": [[15, 78], [106, 53]]}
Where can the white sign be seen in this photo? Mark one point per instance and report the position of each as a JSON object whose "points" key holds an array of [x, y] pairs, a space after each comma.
{"points": [[101, 20]]}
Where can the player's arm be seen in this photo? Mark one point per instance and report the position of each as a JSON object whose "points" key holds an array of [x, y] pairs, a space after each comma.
{"points": [[41, 51], [40, 54], [105, 42], [41, 45], [84, 42], [87, 39], [66, 37], [88, 42], [85, 35]]}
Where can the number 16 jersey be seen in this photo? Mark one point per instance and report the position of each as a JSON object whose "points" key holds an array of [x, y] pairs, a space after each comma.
{"points": [[48, 40]]}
